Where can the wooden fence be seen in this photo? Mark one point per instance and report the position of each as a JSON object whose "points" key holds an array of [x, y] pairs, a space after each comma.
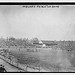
{"points": [[25, 68]]}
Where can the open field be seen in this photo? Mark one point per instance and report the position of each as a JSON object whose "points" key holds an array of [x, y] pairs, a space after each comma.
{"points": [[53, 60], [55, 56]]}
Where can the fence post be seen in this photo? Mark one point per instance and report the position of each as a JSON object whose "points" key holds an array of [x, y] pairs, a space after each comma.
{"points": [[19, 49], [26, 68], [10, 60], [17, 64], [39, 68]]}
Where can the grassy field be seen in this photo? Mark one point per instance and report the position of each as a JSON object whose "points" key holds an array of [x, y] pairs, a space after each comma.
{"points": [[48, 58]]}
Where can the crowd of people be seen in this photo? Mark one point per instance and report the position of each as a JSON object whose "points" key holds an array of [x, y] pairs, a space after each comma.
{"points": [[2, 68]]}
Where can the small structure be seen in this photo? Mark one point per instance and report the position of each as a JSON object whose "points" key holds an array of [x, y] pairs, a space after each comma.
{"points": [[43, 45], [48, 43], [38, 44]]}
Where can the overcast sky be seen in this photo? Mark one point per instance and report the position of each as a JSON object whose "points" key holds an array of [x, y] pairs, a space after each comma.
{"points": [[43, 23]]}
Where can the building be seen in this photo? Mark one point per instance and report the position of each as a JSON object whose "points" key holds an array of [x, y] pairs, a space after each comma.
{"points": [[48, 43]]}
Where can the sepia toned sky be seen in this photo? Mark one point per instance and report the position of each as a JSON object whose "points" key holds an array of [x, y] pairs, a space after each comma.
{"points": [[43, 23]]}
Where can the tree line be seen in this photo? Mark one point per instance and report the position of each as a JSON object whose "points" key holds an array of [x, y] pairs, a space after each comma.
{"points": [[11, 41]]}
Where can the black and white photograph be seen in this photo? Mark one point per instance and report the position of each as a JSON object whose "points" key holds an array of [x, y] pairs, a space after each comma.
{"points": [[37, 38]]}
